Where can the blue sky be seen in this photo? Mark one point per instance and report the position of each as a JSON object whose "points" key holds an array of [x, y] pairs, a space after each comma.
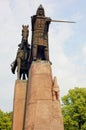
{"points": [[67, 42]]}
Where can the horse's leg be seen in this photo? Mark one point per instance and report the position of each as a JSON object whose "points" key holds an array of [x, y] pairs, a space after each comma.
{"points": [[24, 76], [18, 68], [27, 73], [20, 73]]}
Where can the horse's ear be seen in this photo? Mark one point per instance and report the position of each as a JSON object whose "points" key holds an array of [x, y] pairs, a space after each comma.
{"points": [[23, 26], [27, 26]]}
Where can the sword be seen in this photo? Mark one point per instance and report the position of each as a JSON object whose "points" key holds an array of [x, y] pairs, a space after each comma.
{"points": [[62, 21]]}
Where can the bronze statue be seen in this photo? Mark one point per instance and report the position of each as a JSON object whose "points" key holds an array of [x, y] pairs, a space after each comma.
{"points": [[39, 44], [22, 61], [40, 27]]}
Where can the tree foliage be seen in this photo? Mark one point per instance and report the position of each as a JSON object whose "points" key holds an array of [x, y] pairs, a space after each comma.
{"points": [[74, 109], [5, 121]]}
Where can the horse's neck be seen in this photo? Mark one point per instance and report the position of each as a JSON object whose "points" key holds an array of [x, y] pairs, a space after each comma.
{"points": [[26, 41], [24, 45]]}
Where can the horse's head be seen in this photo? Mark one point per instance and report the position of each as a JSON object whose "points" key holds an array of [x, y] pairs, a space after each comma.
{"points": [[25, 33]]}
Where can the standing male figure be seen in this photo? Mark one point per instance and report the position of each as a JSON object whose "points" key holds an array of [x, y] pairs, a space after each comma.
{"points": [[40, 27]]}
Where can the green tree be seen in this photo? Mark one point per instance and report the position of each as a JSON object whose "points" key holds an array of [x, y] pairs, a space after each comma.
{"points": [[74, 109], [5, 121]]}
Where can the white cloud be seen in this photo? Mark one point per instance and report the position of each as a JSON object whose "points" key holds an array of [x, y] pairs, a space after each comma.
{"points": [[68, 72], [62, 65]]}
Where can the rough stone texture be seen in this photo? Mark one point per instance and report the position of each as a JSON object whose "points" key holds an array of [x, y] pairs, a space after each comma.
{"points": [[57, 122], [42, 113], [19, 104]]}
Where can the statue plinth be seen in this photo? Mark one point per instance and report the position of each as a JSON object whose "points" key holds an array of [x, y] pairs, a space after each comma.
{"points": [[42, 112], [19, 104]]}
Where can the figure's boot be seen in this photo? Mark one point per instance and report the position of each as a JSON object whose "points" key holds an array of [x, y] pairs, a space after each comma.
{"points": [[46, 52], [34, 52]]}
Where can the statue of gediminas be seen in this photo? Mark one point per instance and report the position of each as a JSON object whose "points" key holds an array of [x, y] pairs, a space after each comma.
{"points": [[40, 27]]}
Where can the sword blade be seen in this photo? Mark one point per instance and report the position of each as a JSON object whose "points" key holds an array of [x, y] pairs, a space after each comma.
{"points": [[62, 21]]}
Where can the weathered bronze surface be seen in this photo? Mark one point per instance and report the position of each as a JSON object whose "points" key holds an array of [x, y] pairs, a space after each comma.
{"points": [[39, 43], [22, 61], [40, 27]]}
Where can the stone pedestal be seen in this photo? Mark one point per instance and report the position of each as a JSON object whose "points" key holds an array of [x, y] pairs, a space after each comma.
{"points": [[19, 104], [42, 112]]}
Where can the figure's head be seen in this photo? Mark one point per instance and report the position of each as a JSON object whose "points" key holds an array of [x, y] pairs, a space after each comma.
{"points": [[25, 32], [40, 11]]}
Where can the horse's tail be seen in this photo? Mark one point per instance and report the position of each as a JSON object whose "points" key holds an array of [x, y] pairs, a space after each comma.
{"points": [[13, 66]]}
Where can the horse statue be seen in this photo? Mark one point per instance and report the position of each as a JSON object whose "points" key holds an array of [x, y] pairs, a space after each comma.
{"points": [[22, 61]]}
